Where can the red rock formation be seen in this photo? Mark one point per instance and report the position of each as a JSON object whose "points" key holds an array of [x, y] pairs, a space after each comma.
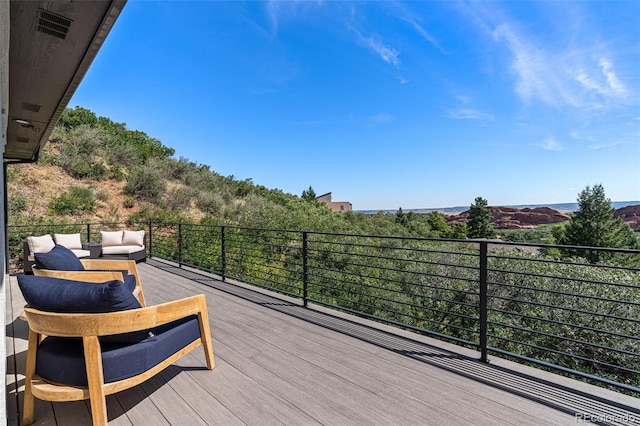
{"points": [[514, 218], [630, 215]]}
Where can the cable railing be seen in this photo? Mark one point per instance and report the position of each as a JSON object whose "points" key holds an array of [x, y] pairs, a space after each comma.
{"points": [[540, 304]]}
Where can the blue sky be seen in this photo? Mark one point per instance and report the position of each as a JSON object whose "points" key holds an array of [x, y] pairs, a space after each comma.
{"points": [[386, 104]]}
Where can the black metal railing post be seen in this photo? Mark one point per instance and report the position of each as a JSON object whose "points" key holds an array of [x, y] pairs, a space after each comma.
{"points": [[88, 232], [223, 254], [305, 269], [483, 300], [150, 240], [180, 245]]}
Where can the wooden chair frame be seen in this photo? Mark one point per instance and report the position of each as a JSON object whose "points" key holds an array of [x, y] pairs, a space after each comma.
{"points": [[89, 327], [99, 271]]}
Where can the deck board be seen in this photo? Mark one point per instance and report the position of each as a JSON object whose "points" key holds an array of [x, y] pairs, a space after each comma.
{"points": [[280, 363]]}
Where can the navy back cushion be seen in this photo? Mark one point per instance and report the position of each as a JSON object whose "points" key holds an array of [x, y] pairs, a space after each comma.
{"points": [[60, 295], [59, 258], [67, 296]]}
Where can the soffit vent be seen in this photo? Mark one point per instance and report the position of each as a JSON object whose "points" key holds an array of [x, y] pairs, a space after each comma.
{"points": [[52, 24], [31, 107], [23, 140]]}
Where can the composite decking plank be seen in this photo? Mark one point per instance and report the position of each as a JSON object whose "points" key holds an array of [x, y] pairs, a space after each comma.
{"points": [[253, 404], [402, 399], [139, 409], [115, 413], [170, 403], [329, 400], [399, 377], [349, 356], [361, 393], [294, 394], [415, 408], [290, 384], [73, 413], [187, 382]]}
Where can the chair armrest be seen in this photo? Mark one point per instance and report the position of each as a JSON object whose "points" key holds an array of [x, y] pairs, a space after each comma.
{"points": [[110, 265], [86, 276], [79, 325]]}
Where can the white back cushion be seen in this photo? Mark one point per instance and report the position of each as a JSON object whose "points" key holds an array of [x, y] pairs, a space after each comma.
{"points": [[111, 238], [70, 241], [133, 238], [42, 244]]}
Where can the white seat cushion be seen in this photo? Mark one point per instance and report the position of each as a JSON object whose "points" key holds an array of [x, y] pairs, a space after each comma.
{"points": [[81, 253], [70, 241], [42, 244], [121, 249]]}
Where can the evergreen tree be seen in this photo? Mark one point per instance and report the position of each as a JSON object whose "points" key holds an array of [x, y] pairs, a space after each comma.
{"points": [[401, 217], [309, 194], [593, 225], [479, 221], [439, 225]]}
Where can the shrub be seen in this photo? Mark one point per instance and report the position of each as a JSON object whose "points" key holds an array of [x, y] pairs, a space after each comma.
{"points": [[77, 166], [102, 195], [145, 183], [73, 201], [211, 203], [149, 212], [17, 204], [129, 201], [13, 173], [98, 171], [179, 198], [116, 172], [120, 154]]}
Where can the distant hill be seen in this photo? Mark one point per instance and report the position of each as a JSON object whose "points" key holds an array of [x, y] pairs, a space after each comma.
{"points": [[561, 207]]}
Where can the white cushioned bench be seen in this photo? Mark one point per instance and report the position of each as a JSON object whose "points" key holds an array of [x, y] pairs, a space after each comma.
{"points": [[125, 244]]}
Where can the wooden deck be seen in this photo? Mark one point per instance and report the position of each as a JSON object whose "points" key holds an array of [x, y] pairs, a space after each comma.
{"points": [[279, 363]]}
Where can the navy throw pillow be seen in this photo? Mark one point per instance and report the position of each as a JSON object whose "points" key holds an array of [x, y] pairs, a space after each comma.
{"points": [[60, 295], [59, 258]]}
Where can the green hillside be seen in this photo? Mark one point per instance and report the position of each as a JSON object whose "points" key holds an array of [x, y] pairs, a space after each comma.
{"points": [[95, 170]]}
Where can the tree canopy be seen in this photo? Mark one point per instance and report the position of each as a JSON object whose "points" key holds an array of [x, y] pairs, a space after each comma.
{"points": [[479, 221], [593, 225]]}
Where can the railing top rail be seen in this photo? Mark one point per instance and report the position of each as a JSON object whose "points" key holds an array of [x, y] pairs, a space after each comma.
{"points": [[343, 234]]}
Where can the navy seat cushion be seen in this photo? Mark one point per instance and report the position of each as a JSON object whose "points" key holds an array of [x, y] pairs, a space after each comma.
{"points": [[67, 296], [61, 360], [59, 258]]}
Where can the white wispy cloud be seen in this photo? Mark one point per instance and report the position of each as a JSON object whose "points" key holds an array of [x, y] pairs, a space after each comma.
{"points": [[402, 11], [601, 79], [605, 145], [469, 114], [530, 65], [561, 72], [387, 53], [551, 144], [278, 10]]}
